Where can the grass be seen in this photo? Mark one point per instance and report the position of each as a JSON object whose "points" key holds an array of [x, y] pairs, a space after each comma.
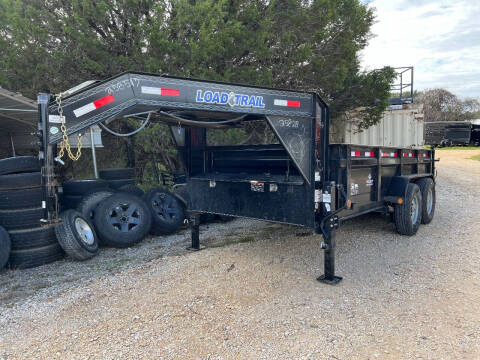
{"points": [[458, 148], [475, 157]]}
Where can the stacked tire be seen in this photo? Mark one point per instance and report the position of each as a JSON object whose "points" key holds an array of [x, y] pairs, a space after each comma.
{"points": [[74, 191], [20, 212]]}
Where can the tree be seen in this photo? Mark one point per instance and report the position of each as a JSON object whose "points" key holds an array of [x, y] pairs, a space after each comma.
{"points": [[307, 45], [442, 105]]}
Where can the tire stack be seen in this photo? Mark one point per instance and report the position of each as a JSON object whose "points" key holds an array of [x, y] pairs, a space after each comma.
{"points": [[75, 190], [117, 178], [20, 212]]}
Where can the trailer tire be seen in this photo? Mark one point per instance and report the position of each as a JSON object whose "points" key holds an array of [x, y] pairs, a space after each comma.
{"points": [[20, 181], [77, 236], [117, 174], [19, 164], [89, 203], [131, 189], [427, 189], [409, 214], [5, 247], [167, 211], [33, 237], [83, 187], [122, 220], [21, 219], [29, 258], [19, 199]]}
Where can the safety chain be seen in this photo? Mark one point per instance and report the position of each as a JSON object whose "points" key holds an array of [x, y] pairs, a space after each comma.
{"points": [[64, 144]]}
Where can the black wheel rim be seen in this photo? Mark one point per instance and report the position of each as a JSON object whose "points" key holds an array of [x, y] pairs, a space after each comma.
{"points": [[125, 217], [165, 207]]}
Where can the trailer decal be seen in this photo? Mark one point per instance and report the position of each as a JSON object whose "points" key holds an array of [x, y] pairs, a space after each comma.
{"points": [[232, 99], [85, 109]]}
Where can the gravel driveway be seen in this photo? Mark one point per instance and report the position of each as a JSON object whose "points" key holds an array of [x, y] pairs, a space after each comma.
{"points": [[252, 293]]}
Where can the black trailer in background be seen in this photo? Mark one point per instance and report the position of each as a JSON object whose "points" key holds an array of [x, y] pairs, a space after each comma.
{"points": [[448, 133], [291, 176]]}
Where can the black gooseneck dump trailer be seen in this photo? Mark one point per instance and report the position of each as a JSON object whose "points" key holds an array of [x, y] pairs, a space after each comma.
{"points": [[296, 177]]}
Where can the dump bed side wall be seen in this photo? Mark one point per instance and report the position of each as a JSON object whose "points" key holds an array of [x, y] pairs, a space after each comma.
{"points": [[366, 172]]}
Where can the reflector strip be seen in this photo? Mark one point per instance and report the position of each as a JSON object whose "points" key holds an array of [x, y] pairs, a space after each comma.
{"points": [[369, 153], [408, 155], [85, 109], [288, 103], [392, 154], [160, 91], [355, 153]]}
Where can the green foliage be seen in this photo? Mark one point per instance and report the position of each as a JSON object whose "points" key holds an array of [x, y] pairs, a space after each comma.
{"points": [[307, 45]]}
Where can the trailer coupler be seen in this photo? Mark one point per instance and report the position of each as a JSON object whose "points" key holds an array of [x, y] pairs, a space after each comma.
{"points": [[328, 246]]}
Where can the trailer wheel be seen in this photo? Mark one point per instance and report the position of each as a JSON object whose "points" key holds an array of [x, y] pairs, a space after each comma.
{"points": [[122, 220], [76, 236], [167, 211], [89, 203], [19, 164], [409, 214], [427, 189], [5, 247]]}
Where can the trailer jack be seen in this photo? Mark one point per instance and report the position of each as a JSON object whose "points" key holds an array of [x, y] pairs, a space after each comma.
{"points": [[328, 247], [195, 233]]}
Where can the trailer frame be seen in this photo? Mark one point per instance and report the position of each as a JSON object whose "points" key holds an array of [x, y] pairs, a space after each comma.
{"points": [[301, 179]]}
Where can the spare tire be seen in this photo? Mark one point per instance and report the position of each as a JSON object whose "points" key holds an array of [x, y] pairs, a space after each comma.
{"points": [[70, 201], [83, 186], [20, 181], [19, 164], [132, 189], [5, 247], [167, 211], [117, 184], [122, 220], [28, 258], [19, 199], [33, 237], [76, 236], [21, 219], [89, 203], [117, 174]]}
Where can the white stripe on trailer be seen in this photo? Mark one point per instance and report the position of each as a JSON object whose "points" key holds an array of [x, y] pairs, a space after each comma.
{"points": [[84, 109], [279, 102], [151, 90], [160, 91]]}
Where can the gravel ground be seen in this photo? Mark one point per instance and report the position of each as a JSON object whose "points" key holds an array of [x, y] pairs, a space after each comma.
{"points": [[252, 293]]}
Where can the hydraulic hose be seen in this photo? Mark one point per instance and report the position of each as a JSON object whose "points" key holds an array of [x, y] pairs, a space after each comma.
{"points": [[128, 134]]}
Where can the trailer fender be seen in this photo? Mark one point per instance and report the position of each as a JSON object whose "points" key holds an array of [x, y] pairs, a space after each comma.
{"points": [[397, 190]]}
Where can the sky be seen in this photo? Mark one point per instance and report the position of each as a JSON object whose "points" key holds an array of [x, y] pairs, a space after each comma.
{"points": [[440, 38]]}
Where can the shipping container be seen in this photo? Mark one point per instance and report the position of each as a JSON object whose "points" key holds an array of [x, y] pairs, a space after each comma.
{"points": [[400, 126]]}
